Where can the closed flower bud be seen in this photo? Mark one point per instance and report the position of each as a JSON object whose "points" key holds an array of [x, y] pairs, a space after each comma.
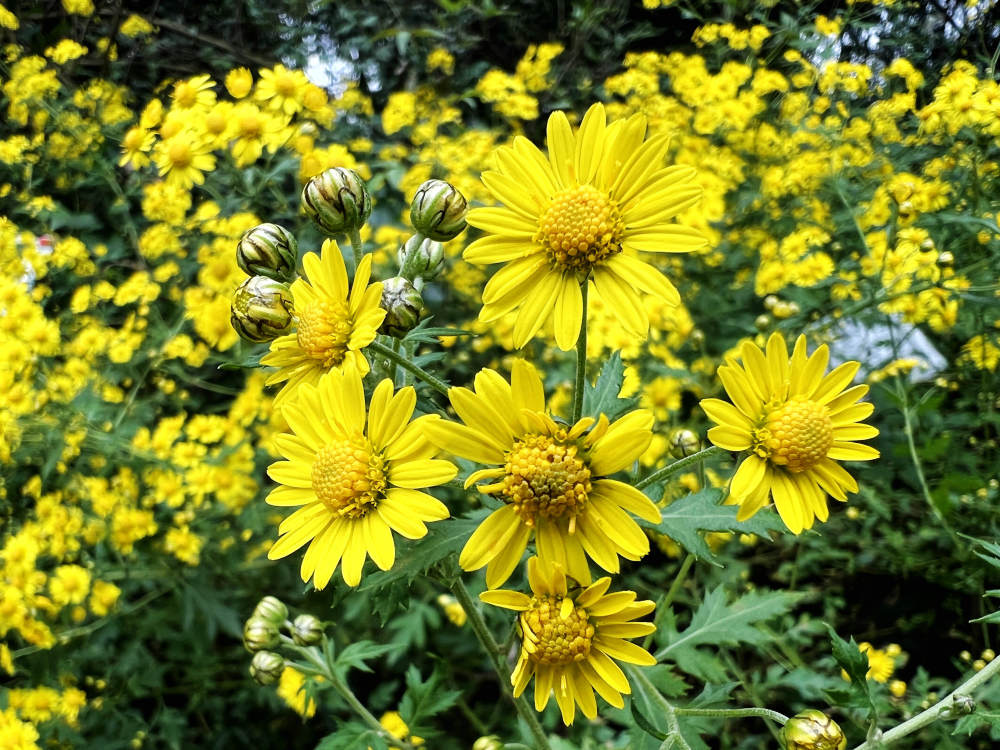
{"points": [[490, 742], [420, 259], [307, 630], [259, 634], [261, 309], [272, 610], [266, 667], [337, 200], [812, 730], [438, 211], [402, 304], [268, 250], [684, 443]]}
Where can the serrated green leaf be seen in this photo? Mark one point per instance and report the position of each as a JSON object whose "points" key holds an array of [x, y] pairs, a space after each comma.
{"points": [[855, 663], [717, 622], [686, 519], [355, 654], [424, 700], [443, 539], [351, 735], [602, 396]]}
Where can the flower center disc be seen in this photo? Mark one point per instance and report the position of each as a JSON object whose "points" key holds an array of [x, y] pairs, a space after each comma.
{"points": [[323, 331], [556, 632], [179, 154], [545, 477], [797, 435], [348, 478], [581, 227]]}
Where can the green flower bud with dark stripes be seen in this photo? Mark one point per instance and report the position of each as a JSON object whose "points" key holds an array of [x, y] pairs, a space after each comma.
{"points": [[271, 609], [812, 730], [268, 250], [307, 630], [261, 309], [403, 305], [438, 210], [337, 200], [259, 634], [420, 258], [266, 667]]}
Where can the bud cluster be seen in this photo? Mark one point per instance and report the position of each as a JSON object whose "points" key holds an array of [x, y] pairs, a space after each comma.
{"points": [[438, 214], [262, 309], [262, 635]]}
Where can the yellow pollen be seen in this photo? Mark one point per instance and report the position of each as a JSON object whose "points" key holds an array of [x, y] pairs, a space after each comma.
{"points": [[544, 477], [250, 125], [581, 227], [185, 95], [348, 478], [284, 84], [797, 435], [324, 329], [179, 154], [551, 638]]}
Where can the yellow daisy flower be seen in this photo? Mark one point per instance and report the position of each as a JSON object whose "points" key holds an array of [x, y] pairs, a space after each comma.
{"points": [[282, 89], [795, 424], [356, 484], [582, 213], [569, 642], [332, 323], [184, 158], [194, 93], [136, 146], [552, 478]]}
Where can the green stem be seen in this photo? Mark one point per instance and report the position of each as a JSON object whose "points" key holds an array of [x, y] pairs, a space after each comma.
{"points": [[384, 351], [492, 649], [355, 237], [669, 711], [312, 654], [943, 709], [915, 457], [764, 713], [581, 360], [666, 599], [678, 466]]}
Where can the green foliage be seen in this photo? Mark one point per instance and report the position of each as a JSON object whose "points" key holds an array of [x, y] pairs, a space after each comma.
{"points": [[686, 519]]}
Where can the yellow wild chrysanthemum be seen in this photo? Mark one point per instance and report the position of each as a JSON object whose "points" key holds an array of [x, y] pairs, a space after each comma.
{"points": [[569, 643], [356, 476], [577, 216], [795, 424], [333, 322], [552, 478], [184, 158]]}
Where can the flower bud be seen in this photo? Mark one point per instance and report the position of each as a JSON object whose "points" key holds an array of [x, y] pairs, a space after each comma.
{"points": [[812, 730], [259, 634], [684, 443], [403, 304], [307, 630], [762, 322], [420, 259], [261, 309], [337, 200], [268, 250], [438, 211], [489, 742], [272, 610], [266, 667]]}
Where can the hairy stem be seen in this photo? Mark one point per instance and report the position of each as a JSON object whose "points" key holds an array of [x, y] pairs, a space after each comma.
{"points": [[679, 466], [496, 659], [384, 351], [668, 598], [946, 708]]}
